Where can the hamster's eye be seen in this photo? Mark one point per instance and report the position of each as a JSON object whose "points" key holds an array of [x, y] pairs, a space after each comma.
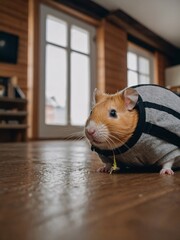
{"points": [[90, 112], [113, 113]]}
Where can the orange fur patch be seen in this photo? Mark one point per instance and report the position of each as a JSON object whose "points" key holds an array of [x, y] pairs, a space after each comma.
{"points": [[120, 128]]}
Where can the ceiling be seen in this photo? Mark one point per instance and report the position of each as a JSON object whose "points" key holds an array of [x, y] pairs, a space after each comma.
{"points": [[160, 16]]}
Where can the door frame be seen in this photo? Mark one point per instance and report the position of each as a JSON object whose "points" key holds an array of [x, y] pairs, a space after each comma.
{"points": [[53, 131]]}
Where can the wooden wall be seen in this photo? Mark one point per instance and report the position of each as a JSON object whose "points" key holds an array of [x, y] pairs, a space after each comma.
{"points": [[112, 58], [161, 63], [14, 19]]}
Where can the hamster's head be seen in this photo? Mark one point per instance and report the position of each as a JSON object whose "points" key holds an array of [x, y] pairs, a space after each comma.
{"points": [[113, 118]]}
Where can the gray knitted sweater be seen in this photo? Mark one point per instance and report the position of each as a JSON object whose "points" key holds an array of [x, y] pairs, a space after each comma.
{"points": [[156, 139]]}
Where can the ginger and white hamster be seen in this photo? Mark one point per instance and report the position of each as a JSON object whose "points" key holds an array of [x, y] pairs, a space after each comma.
{"points": [[112, 125]]}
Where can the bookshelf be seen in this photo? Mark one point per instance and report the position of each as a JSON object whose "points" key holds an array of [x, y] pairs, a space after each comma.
{"points": [[13, 119]]}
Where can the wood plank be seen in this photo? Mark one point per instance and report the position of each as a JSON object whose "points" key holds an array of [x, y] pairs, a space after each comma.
{"points": [[19, 68], [33, 68], [14, 13], [114, 86], [113, 66], [13, 103], [21, 6], [110, 49], [51, 190], [8, 20], [12, 126], [12, 100], [114, 56], [12, 113]]}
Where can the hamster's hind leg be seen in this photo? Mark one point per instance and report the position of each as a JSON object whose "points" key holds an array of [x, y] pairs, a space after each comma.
{"points": [[166, 168]]}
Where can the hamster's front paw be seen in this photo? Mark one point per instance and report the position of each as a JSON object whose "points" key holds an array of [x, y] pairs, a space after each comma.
{"points": [[105, 169], [167, 171]]}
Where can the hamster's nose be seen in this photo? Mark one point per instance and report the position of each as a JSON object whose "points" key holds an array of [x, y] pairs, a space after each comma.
{"points": [[91, 131]]}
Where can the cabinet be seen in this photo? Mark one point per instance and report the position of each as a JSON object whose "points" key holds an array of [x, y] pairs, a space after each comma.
{"points": [[13, 119]]}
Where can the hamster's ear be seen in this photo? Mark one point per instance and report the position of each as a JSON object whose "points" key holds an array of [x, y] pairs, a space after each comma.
{"points": [[130, 96], [97, 96]]}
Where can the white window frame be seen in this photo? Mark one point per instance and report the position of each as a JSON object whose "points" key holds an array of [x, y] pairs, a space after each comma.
{"points": [[140, 52], [54, 131]]}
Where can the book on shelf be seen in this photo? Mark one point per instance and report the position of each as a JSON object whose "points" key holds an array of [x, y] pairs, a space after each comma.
{"points": [[9, 88], [19, 93], [4, 86], [14, 122]]}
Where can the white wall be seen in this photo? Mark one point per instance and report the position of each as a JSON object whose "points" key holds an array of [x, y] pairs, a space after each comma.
{"points": [[172, 76]]}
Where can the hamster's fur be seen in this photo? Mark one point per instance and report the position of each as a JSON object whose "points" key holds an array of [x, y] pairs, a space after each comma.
{"points": [[111, 124]]}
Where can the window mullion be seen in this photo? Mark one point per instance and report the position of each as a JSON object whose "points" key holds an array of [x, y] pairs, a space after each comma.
{"points": [[135, 71], [85, 54], [55, 45], [69, 75]]}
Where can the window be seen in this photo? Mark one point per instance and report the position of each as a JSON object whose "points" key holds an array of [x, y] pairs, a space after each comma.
{"points": [[56, 72], [67, 68], [139, 65]]}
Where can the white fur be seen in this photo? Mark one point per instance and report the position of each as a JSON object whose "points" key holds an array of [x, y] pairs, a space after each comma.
{"points": [[101, 133]]}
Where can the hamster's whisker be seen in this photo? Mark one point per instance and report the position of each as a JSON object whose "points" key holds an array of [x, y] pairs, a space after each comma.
{"points": [[75, 135], [77, 138], [111, 140], [116, 138], [104, 136], [122, 138], [119, 140]]}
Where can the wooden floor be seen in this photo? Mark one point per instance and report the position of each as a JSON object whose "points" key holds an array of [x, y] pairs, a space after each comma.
{"points": [[50, 190]]}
